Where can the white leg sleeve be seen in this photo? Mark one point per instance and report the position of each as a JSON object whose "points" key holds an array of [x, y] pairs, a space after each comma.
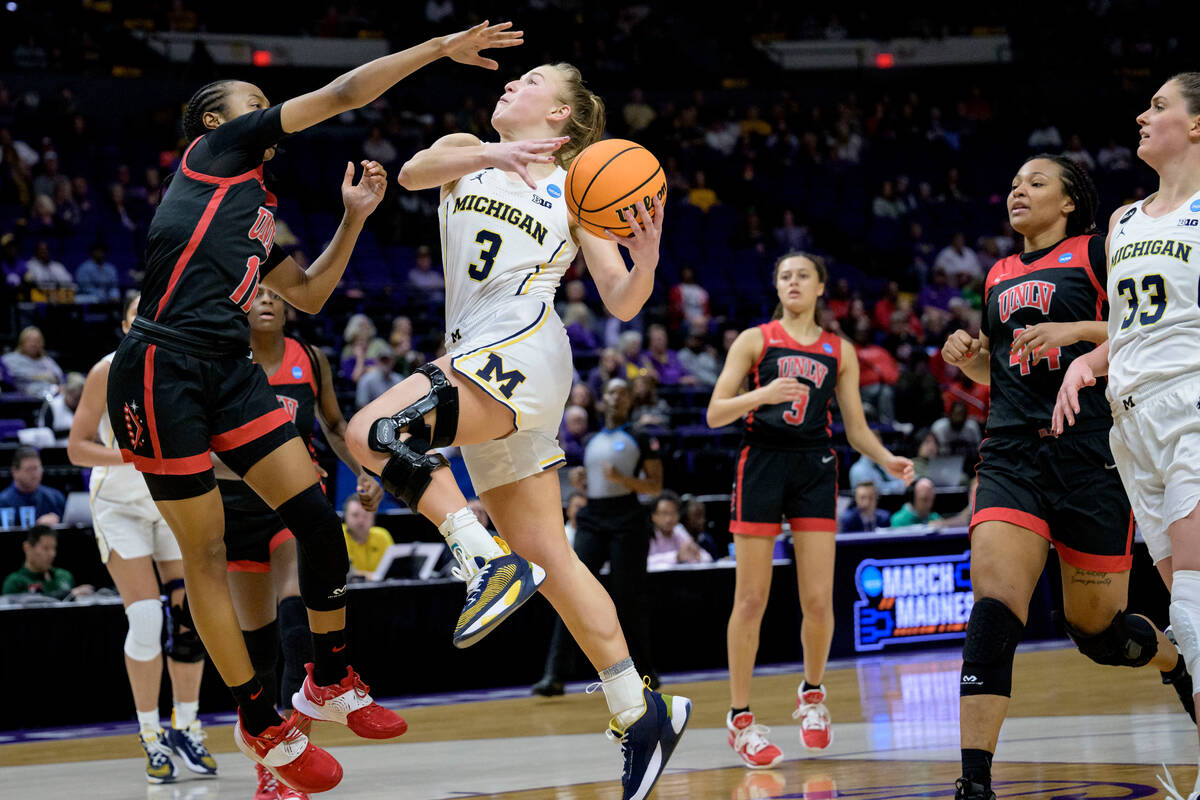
{"points": [[144, 640]]}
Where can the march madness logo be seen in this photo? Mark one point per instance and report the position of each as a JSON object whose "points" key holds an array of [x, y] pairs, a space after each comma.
{"points": [[905, 600]]}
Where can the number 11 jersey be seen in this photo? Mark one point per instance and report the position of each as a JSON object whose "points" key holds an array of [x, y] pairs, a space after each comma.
{"points": [[501, 239]]}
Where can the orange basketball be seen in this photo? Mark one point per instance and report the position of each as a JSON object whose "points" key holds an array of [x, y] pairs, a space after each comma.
{"points": [[609, 180]]}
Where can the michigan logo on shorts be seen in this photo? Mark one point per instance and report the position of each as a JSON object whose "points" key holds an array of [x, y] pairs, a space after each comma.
{"points": [[493, 372]]}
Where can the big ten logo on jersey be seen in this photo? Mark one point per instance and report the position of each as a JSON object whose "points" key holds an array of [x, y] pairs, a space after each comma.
{"points": [[290, 404], [1028, 294], [506, 381], [1023, 360], [647, 202]]}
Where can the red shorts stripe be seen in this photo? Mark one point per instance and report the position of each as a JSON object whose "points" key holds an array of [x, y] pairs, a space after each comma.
{"points": [[1022, 519], [1092, 562], [250, 430], [247, 566], [279, 538], [771, 529], [188, 465], [198, 234], [812, 525], [148, 401], [741, 465]]}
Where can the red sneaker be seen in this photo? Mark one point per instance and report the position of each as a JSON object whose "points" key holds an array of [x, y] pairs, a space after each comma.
{"points": [[348, 703], [268, 786], [749, 741], [289, 756], [288, 793], [816, 730]]}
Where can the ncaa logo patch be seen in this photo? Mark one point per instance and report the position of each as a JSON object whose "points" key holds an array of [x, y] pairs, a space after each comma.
{"points": [[297, 373], [1195, 206], [554, 191], [1127, 215], [1065, 257], [828, 348]]}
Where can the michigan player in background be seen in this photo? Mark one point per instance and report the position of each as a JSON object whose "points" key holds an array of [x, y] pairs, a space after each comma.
{"points": [[500, 391], [1045, 307], [134, 540], [787, 469], [1150, 357]]}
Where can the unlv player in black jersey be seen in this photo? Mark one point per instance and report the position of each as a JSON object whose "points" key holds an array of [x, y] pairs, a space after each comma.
{"points": [[259, 547], [1045, 307], [181, 386], [787, 469]]}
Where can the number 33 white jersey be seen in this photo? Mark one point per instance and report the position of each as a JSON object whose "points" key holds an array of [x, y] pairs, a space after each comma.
{"points": [[501, 239], [1154, 317]]}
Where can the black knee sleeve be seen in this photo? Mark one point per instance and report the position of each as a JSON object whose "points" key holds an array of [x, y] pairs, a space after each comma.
{"points": [[408, 473], [183, 643], [442, 396], [1128, 641], [321, 548], [993, 633], [297, 646], [263, 646]]}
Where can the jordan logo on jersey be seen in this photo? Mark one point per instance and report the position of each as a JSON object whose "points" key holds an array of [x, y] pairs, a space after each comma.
{"points": [[802, 367], [263, 228], [1029, 294], [290, 404]]}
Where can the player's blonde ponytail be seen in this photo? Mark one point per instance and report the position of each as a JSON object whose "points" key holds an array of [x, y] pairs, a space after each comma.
{"points": [[586, 123]]}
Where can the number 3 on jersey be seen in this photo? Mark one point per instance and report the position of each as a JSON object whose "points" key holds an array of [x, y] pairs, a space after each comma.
{"points": [[491, 247], [795, 415]]}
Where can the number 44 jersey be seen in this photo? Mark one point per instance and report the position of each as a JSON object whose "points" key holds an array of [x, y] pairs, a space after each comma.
{"points": [[1153, 269], [501, 240]]}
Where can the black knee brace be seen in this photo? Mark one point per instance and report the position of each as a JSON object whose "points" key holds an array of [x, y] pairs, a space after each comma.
{"points": [[1128, 641], [183, 643], [442, 396], [321, 548], [993, 633], [408, 473]]}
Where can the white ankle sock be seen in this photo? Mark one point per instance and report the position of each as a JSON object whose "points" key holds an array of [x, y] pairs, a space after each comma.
{"points": [[148, 720], [623, 691], [185, 714], [462, 529]]}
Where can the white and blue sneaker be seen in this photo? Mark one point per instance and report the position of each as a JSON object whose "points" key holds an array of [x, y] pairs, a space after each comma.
{"points": [[159, 766], [495, 589], [188, 744], [648, 742]]}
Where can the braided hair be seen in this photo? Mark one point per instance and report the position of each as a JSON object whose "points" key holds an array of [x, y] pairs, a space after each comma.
{"points": [[210, 97], [1078, 186]]}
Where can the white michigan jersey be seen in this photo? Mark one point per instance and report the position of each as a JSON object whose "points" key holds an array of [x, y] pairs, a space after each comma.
{"points": [[1154, 319], [501, 239]]}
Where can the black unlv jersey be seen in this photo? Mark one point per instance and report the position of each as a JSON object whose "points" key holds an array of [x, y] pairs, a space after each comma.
{"points": [[296, 388], [1064, 283], [210, 238], [805, 423]]}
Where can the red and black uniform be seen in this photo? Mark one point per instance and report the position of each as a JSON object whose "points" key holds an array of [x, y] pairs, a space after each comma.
{"points": [[1065, 489], [181, 382], [252, 528], [786, 467]]}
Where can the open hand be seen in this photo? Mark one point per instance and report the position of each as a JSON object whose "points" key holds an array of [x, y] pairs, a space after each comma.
{"points": [[363, 197], [1066, 406], [642, 241], [519, 156], [464, 46], [1037, 340]]}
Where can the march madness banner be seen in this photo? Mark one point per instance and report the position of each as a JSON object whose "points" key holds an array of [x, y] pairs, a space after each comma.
{"points": [[906, 600]]}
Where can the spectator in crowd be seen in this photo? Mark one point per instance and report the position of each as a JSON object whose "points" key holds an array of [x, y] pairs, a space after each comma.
{"points": [[687, 302], [790, 237], [631, 354], [671, 544], [957, 435], [958, 260], [365, 541], [664, 360], [575, 306], [699, 359], [377, 148], [649, 410], [1044, 137], [701, 195], [637, 113], [927, 451], [572, 434], [26, 502], [426, 281], [610, 366], [30, 370], [864, 470], [58, 411], [919, 511], [695, 522], [13, 268], [96, 277], [1114, 157], [865, 516], [938, 293], [38, 575], [377, 379], [1078, 153], [44, 272], [362, 349], [877, 374], [44, 220], [575, 501]]}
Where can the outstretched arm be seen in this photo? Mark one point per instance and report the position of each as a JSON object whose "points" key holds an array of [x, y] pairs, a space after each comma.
{"points": [[858, 433], [329, 414], [624, 291], [365, 84]]}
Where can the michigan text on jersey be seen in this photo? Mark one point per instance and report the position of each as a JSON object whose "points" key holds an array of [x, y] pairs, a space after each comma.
{"points": [[1153, 247], [502, 211]]}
